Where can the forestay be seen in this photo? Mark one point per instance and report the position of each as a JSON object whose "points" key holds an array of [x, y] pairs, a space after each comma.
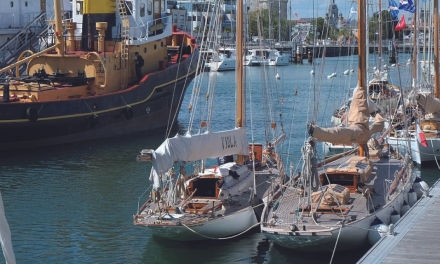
{"points": [[197, 147], [5, 236]]}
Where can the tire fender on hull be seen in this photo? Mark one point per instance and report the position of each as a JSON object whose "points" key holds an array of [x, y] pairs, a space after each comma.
{"points": [[32, 114]]}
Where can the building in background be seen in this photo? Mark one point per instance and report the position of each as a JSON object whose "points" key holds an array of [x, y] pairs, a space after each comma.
{"points": [[274, 5]]}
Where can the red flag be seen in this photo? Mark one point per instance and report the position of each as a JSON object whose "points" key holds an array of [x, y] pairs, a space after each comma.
{"points": [[401, 25], [421, 137], [296, 14]]}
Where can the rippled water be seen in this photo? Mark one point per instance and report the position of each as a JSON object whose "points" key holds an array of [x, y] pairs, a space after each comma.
{"points": [[74, 203]]}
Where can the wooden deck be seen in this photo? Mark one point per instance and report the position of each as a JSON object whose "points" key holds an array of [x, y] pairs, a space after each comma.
{"points": [[417, 235]]}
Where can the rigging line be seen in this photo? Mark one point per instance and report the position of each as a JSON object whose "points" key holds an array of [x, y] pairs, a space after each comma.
{"points": [[220, 238], [196, 92], [336, 244]]}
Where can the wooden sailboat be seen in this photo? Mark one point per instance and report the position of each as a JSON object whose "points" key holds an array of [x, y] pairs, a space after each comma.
{"points": [[86, 87], [424, 140], [216, 202], [333, 205]]}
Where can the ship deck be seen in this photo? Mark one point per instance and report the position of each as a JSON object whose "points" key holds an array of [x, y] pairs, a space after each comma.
{"points": [[291, 204], [267, 182]]}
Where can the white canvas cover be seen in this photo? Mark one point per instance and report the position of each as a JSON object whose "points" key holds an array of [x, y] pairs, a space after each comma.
{"points": [[5, 236], [430, 104], [197, 147]]}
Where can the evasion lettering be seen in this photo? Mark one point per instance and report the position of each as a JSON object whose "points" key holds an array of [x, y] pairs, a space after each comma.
{"points": [[229, 142]]}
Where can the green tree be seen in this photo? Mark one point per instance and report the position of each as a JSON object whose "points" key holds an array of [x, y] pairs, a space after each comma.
{"points": [[263, 17]]}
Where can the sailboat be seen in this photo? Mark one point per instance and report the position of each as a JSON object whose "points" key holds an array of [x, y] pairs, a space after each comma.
{"points": [[423, 140], [86, 86], [5, 236], [333, 204], [217, 202]]}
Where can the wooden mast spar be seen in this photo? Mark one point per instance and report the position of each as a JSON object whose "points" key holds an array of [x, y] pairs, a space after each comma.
{"points": [[436, 72], [239, 69], [362, 57]]}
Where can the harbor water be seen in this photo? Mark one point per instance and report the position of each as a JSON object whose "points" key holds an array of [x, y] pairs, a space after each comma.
{"points": [[75, 203]]}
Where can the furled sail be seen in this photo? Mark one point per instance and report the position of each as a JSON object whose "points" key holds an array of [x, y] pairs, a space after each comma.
{"points": [[197, 147], [357, 130], [377, 125], [430, 104], [5, 236]]}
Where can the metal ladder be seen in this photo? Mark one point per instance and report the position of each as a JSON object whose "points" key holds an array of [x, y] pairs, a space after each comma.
{"points": [[125, 33]]}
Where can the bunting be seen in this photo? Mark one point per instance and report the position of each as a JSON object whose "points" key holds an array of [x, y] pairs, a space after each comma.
{"points": [[401, 25], [394, 10], [407, 5], [350, 16]]}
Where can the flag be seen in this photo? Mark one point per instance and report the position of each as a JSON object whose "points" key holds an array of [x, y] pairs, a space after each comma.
{"points": [[350, 16], [407, 5], [421, 136], [394, 9], [296, 14], [401, 25]]}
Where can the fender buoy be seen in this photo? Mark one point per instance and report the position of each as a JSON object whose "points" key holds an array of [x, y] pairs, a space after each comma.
{"points": [[128, 112], [94, 121], [377, 230], [32, 114]]}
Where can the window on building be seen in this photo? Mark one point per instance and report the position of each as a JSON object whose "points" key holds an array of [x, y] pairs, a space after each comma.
{"points": [[142, 10], [175, 19], [163, 5], [182, 19]]}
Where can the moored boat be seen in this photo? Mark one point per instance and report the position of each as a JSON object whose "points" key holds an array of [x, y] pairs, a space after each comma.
{"points": [[86, 87]]}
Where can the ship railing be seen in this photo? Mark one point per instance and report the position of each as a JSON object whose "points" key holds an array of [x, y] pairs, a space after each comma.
{"points": [[152, 28]]}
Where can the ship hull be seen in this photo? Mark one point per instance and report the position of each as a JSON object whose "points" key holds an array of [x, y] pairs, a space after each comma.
{"points": [[221, 227], [153, 103]]}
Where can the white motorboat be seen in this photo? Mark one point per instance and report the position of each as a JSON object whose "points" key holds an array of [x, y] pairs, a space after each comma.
{"points": [[223, 60]]}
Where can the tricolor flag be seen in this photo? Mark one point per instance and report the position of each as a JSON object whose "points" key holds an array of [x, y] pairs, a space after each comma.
{"points": [[350, 16], [401, 25], [394, 9], [421, 136], [407, 5]]}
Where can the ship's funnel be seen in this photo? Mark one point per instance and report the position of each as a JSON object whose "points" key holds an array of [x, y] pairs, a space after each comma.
{"points": [[101, 27]]}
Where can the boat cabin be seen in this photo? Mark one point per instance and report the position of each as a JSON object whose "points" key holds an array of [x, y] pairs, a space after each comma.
{"points": [[349, 174]]}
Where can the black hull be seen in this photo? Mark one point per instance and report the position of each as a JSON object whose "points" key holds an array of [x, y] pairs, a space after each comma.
{"points": [[151, 104]]}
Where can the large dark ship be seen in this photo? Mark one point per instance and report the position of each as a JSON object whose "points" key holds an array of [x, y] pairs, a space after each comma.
{"points": [[85, 85]]}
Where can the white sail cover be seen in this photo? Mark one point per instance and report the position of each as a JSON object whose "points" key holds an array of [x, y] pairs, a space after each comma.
{"points": [[5, 236], [197, 147], [429, 103]]}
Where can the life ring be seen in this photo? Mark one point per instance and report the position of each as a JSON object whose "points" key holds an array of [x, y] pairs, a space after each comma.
{"points": [[32, 114], [128, 112], [94, 121]]}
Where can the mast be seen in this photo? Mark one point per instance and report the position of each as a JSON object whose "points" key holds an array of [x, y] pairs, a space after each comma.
{"points": [[362, 57], [415, 45], [380, 33], [239, 66], [59, 27], [436, 72]]}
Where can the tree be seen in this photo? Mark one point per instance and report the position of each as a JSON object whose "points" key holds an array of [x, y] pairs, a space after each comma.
{"points": [[263, 16]]}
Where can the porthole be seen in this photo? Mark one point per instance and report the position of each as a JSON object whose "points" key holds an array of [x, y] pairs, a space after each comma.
{"points": [[145, 50], [155, 46], [26, 3], [12, 4], [95, 106]]}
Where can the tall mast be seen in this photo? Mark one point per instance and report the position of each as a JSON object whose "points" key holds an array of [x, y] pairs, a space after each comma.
{"points": [[416, 49], [380, 32], [59, 27], [239, 66], [436, 72], [362, 57]]}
